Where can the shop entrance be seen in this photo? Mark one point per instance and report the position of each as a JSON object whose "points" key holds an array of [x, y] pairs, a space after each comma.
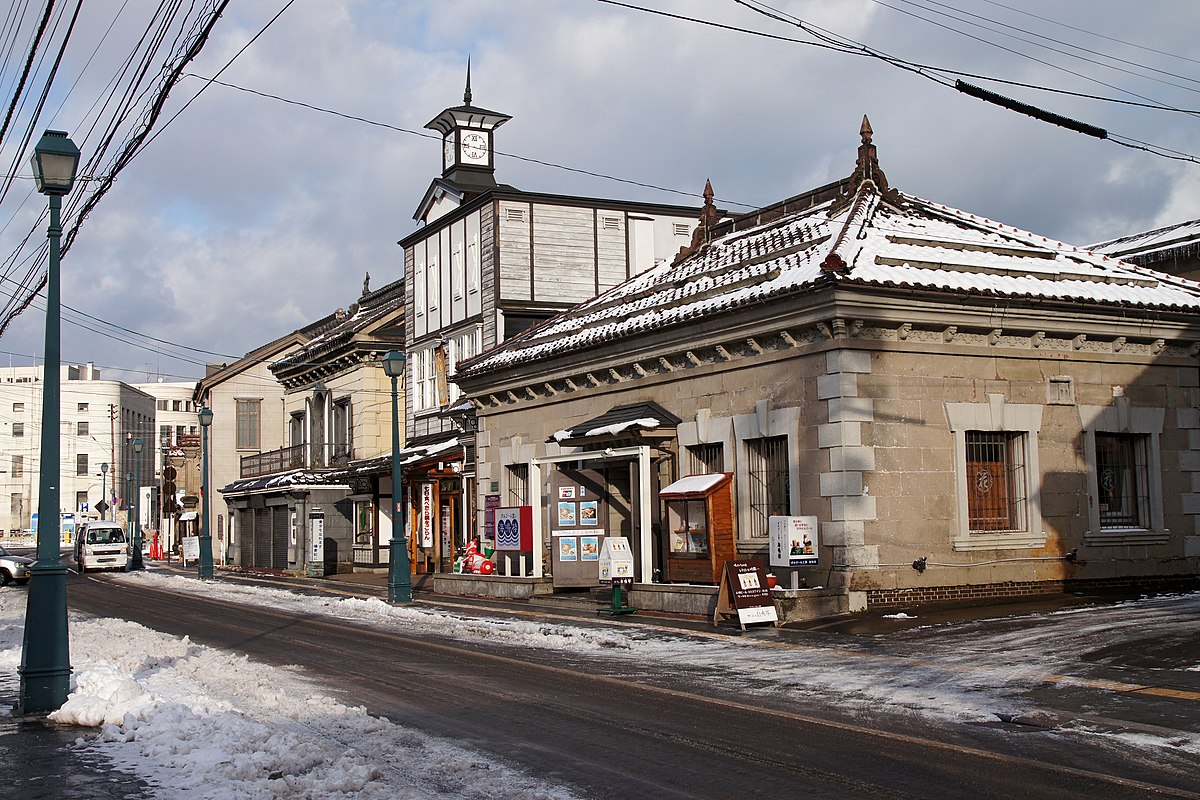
{"points": [[592, 496]]}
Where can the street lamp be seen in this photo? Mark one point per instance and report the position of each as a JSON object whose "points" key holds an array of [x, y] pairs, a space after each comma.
{"points": [[104, 490], [206, 555], [399, 573], [136, 562], [45, 650]]}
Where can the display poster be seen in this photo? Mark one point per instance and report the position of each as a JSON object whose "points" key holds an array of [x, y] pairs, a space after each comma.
{"points": [[793, 541], [490, 503], [589, 512], [589, 548], [566, 513], [568, 548], [616, 560], [191, 548], [427, 515], [743, 593]]}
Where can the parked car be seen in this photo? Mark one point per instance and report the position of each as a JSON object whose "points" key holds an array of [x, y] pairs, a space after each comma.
{"points": [[13, 568], [100, 545]]}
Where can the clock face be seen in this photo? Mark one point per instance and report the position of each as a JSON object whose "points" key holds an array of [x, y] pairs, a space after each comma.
{"points": [[474, 148], [448, 151]]}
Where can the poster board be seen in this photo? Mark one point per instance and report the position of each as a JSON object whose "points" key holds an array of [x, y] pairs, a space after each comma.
{"points": [[514, 529], [191, 548], [794, 541], [743, 593]]}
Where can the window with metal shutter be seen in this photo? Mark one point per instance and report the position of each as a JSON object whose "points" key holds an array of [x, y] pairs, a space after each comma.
{"points": [[279, 538]]}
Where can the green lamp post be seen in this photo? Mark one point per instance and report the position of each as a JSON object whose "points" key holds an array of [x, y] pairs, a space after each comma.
{"points": [[399, 572], [206, 554], [128, 507], [45, 667], [135, 562]]}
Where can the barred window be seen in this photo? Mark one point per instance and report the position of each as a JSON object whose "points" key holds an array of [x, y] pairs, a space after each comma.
{"points": [[704, 459], [1122, 480], [996, 481], [767, 470], [518, 484]]}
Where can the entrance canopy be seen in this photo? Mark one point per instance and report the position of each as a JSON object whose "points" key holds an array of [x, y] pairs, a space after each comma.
{"points": [[637, 420]]}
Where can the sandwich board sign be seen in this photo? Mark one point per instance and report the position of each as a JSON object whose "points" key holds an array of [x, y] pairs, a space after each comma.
{"points": [[793, 541], [743, 593]]}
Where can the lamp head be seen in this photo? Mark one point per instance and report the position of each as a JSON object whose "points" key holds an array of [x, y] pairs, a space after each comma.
{"points": [[55, 159], [104, 468], [137, 446], [393, 364], [205, 414]]}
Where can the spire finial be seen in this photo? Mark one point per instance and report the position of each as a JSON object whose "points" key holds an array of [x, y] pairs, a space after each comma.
{"points": [[865, 131], [467, 93]]}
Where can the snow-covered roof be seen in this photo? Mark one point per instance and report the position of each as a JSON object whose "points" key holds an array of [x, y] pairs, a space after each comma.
{"points": [[693, 484], [344, 325], [624, 419], [873, 237], [1151, 241]]}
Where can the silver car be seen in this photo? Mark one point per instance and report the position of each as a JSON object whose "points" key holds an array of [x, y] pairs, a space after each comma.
{"points": [[13, 568]]}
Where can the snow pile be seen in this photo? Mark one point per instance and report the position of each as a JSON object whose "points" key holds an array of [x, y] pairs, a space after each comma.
{"points": [[203, 724]]}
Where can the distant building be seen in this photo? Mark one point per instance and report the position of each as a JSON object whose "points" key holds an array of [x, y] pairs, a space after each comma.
{"points": [[99, 418], [967, 410], [1174, 249], [175, 420], [335, 461]]}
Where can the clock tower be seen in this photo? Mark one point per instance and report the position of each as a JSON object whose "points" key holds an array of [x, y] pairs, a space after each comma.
{"points": [[468, 158]]}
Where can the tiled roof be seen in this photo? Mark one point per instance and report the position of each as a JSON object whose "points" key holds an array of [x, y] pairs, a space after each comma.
{"points": [[877, 238]]}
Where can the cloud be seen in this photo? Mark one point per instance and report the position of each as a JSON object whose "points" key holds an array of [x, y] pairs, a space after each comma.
{"points": [[248, 217]]}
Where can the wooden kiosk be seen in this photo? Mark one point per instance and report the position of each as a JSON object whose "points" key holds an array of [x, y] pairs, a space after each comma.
{"points": [[699, 527]]}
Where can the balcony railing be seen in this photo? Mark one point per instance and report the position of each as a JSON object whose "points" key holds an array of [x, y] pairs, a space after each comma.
{"points": [[300, 456]]}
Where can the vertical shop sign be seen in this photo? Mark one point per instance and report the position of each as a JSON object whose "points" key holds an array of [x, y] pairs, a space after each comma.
{"points": [[426, 515]]}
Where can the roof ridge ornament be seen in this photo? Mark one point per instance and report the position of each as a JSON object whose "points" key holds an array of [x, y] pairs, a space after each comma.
{"points": [[701, 236], [467, 93]]}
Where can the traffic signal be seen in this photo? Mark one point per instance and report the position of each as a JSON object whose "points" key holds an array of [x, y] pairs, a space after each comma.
{"points": [[169, 502]]}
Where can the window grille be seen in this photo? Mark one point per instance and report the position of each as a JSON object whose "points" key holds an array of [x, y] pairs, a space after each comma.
{"points": [[682, 229], [996, 481], [767, 470], [1122, 480], [704, 459], [610, 223], [518, 484], [514, 214]]}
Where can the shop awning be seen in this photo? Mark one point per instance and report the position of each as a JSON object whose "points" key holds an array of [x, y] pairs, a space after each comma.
{"points": [[621, 422], [188, 516]]}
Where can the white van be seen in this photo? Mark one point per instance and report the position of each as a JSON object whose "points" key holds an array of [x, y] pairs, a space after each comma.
{"points": [[100, 545]]}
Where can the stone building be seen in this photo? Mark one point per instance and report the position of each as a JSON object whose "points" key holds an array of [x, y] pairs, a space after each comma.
{"points": [[967, 409]]}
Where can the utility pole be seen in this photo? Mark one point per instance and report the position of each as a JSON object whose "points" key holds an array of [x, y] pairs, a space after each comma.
{"points": [[112, 446]]}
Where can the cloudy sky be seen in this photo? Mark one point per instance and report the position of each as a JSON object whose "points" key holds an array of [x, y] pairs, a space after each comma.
{"points": [[248, 217]]}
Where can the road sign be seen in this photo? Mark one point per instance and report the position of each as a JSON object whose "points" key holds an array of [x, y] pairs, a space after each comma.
{"points": [[168, 473], [101, 507]]}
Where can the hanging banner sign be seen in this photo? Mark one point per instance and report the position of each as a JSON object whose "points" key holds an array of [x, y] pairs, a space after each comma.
{"points": [[427, 514]]}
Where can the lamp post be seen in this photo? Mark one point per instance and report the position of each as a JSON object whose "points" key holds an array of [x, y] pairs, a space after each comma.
{"points": [[206, 555], [104, 490], [45, 650], [136, 562], [399, 573], [128, 506]]}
